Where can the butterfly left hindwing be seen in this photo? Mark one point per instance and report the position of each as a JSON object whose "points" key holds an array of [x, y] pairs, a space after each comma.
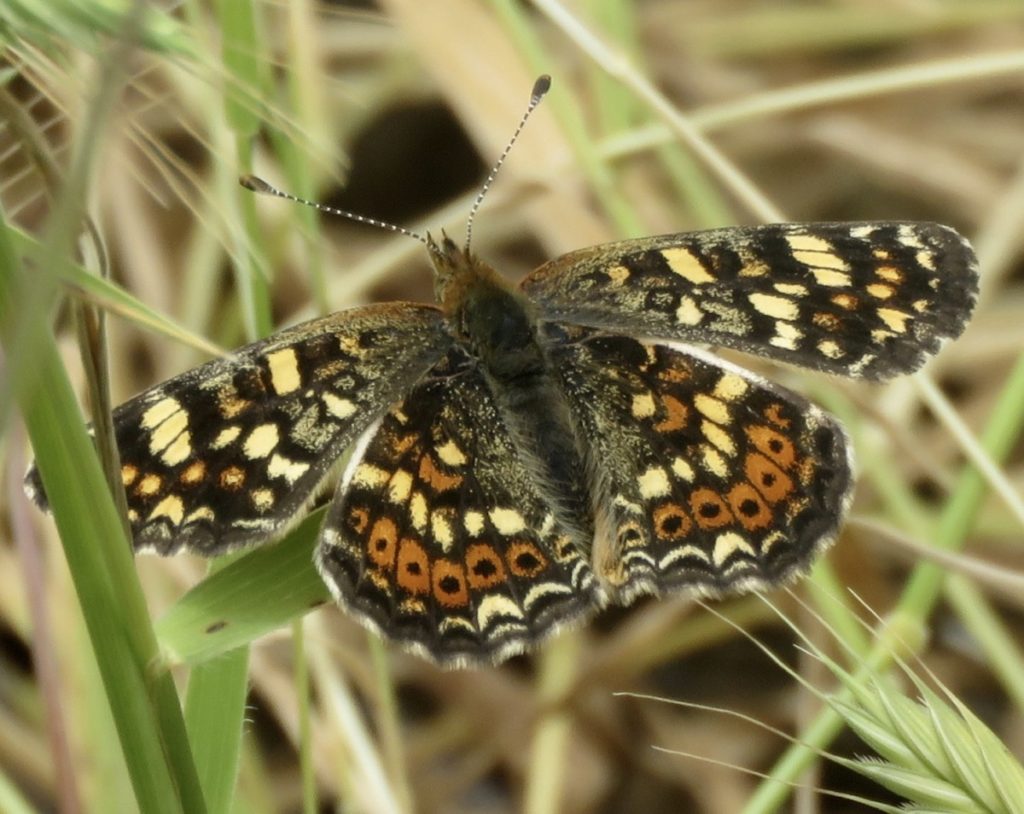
{"points": [[443, 536]]}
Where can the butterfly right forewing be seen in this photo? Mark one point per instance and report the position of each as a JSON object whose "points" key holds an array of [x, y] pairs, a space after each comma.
{"points": [[867, 300]]}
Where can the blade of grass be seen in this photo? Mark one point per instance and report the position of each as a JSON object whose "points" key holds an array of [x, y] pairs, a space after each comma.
{"points": [[215, 703], [99, 557], [255, 594]]}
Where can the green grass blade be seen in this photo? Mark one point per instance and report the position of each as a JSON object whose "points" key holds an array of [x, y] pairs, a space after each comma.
{"points": [[99, 558], [254, 595]]}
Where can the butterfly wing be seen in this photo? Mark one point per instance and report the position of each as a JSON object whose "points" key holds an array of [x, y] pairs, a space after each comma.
{"points": [[442, 537], [704, 476], [227, 453], [867, 300]]}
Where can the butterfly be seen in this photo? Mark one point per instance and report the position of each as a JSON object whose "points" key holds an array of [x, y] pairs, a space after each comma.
{"points": [[521, 456]]}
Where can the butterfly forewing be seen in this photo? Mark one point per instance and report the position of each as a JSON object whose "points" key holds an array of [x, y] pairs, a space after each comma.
{"points": [[867, 300], [442, 536], [227, 453], [705, 477]]}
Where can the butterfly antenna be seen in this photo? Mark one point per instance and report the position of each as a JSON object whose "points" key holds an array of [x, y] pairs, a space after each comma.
{"points": [[540, 87], [257, 184]]}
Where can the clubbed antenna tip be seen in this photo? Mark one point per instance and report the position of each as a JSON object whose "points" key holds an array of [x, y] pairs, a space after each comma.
{"points": [[540, 87]]}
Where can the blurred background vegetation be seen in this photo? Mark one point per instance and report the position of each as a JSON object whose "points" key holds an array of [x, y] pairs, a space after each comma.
{"points": [[664, 116]]}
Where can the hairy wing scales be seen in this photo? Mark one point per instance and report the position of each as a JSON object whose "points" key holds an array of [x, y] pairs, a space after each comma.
{"points": [[706, 477], [440, 536], [227, 453], [868, 300]]}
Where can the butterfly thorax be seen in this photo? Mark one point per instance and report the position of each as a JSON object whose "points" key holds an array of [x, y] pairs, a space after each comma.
{"points": [[498, 327]]}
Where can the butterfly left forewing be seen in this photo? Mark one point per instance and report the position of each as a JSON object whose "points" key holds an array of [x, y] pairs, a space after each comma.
{"points": [[705, 478], [867, 300], [228, 453]]}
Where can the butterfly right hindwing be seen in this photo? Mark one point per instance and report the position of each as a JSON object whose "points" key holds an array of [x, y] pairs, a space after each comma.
{"points": [[706, 478]]}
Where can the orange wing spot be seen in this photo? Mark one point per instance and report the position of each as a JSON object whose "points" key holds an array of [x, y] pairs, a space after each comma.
{"points": [[193, 473], [149, 486], [773, 444], [129, 472], [484, 568], [525, 559], [438, 480], [830, 322], [413, 568], [383, 543], [846, 301], [773, 412], [232, 478], [767, 478], [749, 507], [671, 522], [676, 415], [230, 403], [358, 519], [709, 509], [449, 582], [400, 444]]}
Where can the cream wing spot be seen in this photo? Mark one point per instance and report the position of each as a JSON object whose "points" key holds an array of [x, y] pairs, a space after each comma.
{"points": [[653, 483], [684, 263], [160, 412], [170, 507], [450, 454], [418, 513], [370, 476], [338, 407], [731, 387], [831, 277], [400, 487], [714, 462], [225, 437], [179, 450], [643, 405], [261, 441], [281, 467], [681, 469], [496, 605], [262, 499], [728, 544], [473, 522], [896, 320], [714, 409], [773, 306], [719, 437], [167, 430], [786, 335], [688, 312], [442, 530], [507, 521], [284, 371]]}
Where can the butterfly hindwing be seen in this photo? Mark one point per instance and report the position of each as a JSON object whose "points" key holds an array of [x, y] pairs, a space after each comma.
{"points": [[867, 300], [440, 534], [705, 477], [227, 453]]}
